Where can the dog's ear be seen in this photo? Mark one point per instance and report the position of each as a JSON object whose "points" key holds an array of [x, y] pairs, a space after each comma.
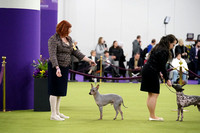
{"points": [[92, 85], [182, 90], [97, 87], [182, 85]]}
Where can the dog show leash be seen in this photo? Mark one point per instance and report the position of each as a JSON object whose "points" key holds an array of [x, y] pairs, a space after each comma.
{"points": [[169, 88]]}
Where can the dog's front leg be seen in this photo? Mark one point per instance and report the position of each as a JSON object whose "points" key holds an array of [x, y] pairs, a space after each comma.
{"points": [[181, 114], [101, 112], [179, 110]]}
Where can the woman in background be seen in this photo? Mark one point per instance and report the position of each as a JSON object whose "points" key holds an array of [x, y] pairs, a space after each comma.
{"points": [[60, 50], [180, 48], [101, 47], [117, 53], [155, 68]]}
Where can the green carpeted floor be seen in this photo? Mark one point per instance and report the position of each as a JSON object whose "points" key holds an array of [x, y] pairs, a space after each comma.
{"points": [[82, 109]]}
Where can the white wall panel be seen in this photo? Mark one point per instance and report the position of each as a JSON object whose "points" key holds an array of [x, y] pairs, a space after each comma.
{"points": [[158, 10], [187, 18], [134, 22], [123, 20], [108, 20]]}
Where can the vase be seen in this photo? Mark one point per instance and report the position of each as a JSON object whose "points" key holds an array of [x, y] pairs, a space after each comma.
{"points": [[41, 96]]}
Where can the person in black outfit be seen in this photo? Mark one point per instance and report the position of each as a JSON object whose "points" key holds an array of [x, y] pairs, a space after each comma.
{"points": [[135, 63], [198, 66], [121, 64], [116, 52], [155, 68], [181, 49], [194, 57]]}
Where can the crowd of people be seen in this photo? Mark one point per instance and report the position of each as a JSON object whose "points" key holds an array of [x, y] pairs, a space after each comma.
{"points": [[150, 62], [114, 60]]}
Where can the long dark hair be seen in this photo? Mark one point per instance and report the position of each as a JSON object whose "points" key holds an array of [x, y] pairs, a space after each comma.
{"points": [[118, 47], [164, 43]]}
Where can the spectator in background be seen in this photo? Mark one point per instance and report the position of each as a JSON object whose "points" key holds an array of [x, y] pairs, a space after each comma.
{"points": [[116, 52], [135, 63], [148, 49], [95, 59], [180, 48], [150, 46], [108, 68], [74, 63], [199, 66], [136, 46], [194, 57], [121, 62], [101, 47], [175, 64]]}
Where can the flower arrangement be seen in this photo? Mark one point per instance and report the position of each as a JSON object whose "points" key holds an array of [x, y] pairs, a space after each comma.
{"points": [[40, 68]]}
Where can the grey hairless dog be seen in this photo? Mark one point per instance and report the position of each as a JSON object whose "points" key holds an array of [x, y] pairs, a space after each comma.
{"points": [[185, 100], [102, 100]]}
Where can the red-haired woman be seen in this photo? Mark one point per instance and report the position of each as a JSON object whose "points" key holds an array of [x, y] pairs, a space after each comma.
{"points": [[60, 50]]}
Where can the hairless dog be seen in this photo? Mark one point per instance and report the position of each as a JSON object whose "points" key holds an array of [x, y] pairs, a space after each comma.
{"points": [[102, 100]]}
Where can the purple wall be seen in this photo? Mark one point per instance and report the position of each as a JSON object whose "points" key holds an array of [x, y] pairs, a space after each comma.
{"points": [[48, 23], [20, 43]]}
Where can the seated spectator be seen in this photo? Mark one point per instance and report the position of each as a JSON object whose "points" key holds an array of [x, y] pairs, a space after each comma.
{"points": [[93, 69], [175, 64], [135, 63], [180, 48], [107, 67]]}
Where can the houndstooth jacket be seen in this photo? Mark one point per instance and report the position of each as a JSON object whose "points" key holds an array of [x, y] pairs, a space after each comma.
{"points": [[60, 53]]}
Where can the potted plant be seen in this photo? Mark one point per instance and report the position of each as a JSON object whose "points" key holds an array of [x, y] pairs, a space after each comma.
{"points": [[40, 74]]}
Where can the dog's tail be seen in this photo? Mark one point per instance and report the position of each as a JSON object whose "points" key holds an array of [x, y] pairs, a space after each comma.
{"points": [[123, 104]]}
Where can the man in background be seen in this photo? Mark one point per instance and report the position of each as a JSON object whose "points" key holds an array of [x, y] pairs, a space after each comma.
{"points": [[136, 45]]}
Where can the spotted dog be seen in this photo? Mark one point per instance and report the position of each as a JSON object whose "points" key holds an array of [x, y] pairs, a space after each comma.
{"points": [[185, 100]]}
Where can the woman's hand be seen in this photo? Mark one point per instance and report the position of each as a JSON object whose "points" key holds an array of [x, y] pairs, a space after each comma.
{"points": [[92, 63], [113, 57], [161, 75], [169, 83], [58, 72]]}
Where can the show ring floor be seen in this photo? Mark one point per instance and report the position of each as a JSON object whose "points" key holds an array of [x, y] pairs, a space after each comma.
{"points": [[84, 113]]}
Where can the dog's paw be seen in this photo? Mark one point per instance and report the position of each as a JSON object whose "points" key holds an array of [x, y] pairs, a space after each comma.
{"points": [[114, 119], [177, 120], [100, 119]]}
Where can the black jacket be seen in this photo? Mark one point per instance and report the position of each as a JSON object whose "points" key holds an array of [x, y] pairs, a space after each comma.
{"points": [[132, 63], [181, 49], [116, 52], [198, 60], [157, 62]]}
